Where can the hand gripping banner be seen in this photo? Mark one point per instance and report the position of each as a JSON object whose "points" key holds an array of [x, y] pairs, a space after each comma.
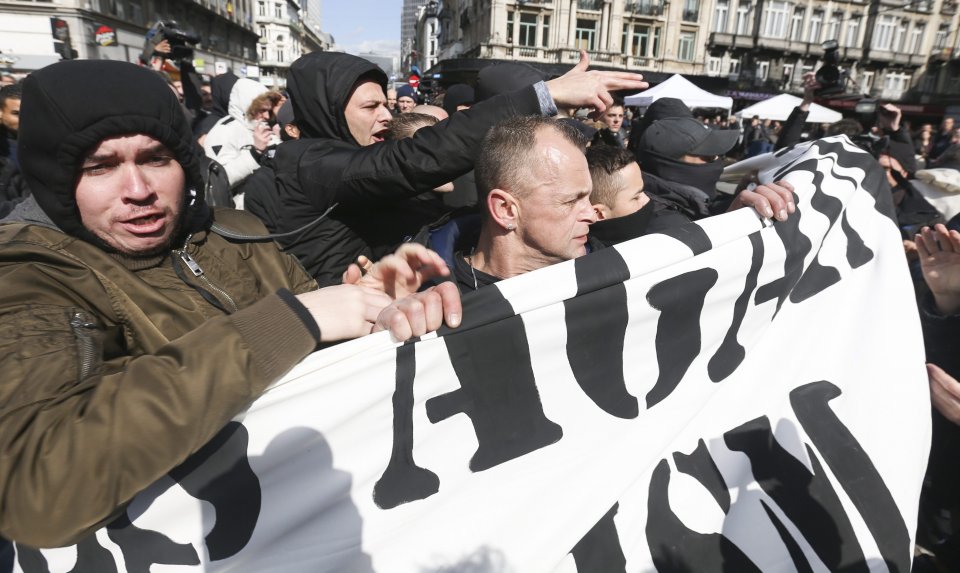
{"points": [[733, 396]]}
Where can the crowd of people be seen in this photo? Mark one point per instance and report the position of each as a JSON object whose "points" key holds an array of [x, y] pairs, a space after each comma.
{"points": [[170, 248]]}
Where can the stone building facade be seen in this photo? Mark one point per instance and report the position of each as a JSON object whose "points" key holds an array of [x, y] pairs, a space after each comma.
{"points": [[890, 50]]}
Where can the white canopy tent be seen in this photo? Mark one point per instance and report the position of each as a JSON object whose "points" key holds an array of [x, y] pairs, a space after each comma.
{"points": [[683, 89], [778, 108]]}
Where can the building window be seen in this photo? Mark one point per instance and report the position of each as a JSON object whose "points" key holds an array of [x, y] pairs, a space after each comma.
{"points": [[883, 32], [545, 33], [278, 11], [261, 8], [691, 10], [720, 13], [796, 24], [940, 40], [509, 27], [816, 22], [763, 70], [775, 15], [586, 34], [853, 32], [637, 40], [263, 52], [528, 30], [900, 36], [685, 50], [866, 82], [734, 69], [713, 66], [787, 76], [916, 38], [894, 84], [833, 27], [263, 32], [279, 55], [136, 13], [743, 18]]}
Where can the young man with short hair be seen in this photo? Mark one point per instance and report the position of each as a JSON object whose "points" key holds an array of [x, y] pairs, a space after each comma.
{"points": [[612, 133], [132, 327]]}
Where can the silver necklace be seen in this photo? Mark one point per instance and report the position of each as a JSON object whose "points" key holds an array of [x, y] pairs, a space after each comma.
{"points": [[473, 271]]}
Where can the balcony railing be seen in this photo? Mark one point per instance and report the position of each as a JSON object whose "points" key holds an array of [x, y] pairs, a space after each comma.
{"points": [[941, 54], [691, 15], [644, 8], [729, 40], [590, 4], [919, 5], [561, 55]]}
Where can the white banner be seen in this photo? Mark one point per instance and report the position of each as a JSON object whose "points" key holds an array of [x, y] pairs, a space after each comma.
{"points": [[734, 397]]}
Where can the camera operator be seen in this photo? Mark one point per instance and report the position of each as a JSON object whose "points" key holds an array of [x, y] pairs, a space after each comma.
{"points": [[165, 42]]}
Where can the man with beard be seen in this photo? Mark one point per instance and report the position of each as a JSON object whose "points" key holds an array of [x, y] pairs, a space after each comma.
{"points": [[342, 164], [12, 186]]}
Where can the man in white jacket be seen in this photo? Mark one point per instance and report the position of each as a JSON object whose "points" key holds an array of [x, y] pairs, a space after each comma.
{"points": [[239, 138]]}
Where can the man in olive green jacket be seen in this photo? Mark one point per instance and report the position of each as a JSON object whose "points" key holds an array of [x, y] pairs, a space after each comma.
{"points": [[134, 322]]}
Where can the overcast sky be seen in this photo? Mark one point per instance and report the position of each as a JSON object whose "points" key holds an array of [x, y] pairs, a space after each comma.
{"points": [[364, 25]]}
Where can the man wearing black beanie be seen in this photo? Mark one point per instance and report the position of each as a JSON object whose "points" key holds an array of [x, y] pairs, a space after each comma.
{"points": [[135, 321], [458, 97]]}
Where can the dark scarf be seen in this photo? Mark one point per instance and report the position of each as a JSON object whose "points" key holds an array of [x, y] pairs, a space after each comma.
{"points": [[702, 176], [620, 229]]}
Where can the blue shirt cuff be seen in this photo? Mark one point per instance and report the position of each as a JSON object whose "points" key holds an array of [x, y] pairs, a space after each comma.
{"points": [[547, 105]]}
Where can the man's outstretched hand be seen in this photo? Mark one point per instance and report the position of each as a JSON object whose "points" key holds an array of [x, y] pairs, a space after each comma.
{"points": [[582, 88]]}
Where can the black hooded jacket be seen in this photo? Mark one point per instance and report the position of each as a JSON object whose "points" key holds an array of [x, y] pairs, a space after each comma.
{"points": [[371, 186], [135, 101], [220, 88]]}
